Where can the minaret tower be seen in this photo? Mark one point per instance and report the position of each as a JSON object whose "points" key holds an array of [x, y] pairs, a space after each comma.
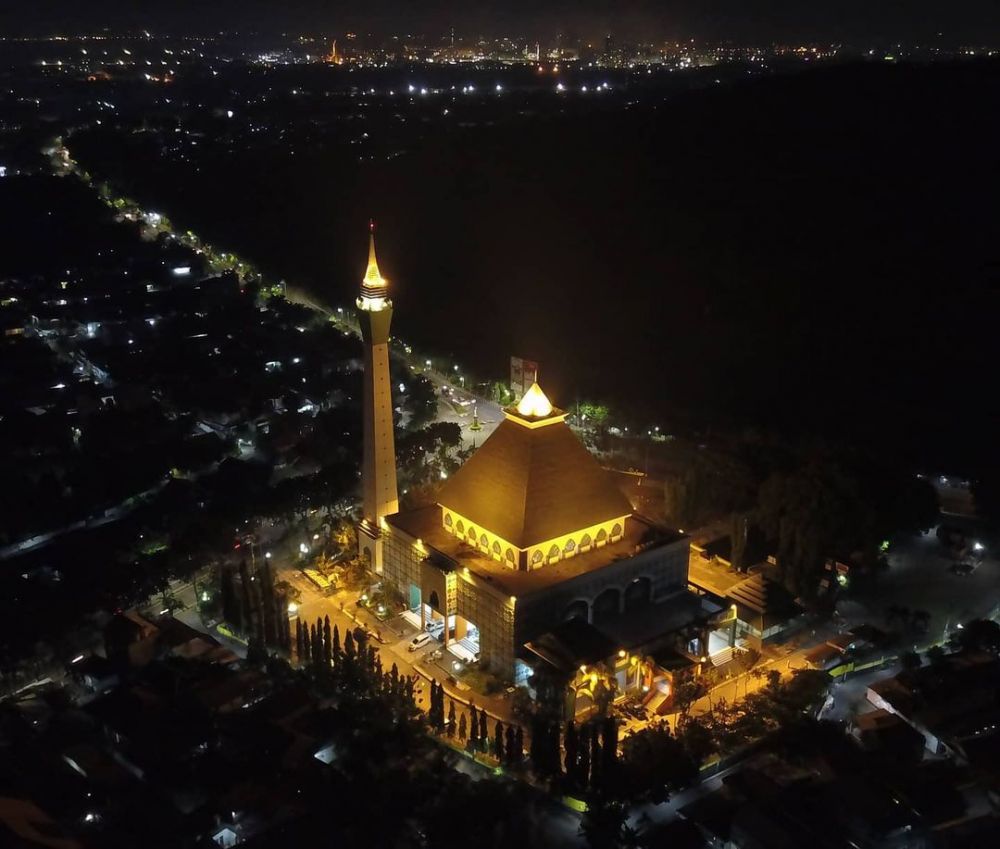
{"points": [[378, 467]]}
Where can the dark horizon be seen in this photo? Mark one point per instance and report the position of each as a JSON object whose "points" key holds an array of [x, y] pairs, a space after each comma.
{"points": [[965, 22]]}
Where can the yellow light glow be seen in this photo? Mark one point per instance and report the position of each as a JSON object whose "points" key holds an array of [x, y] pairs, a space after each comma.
{"points": [[534, 403], [372, 275], [621, 652]]}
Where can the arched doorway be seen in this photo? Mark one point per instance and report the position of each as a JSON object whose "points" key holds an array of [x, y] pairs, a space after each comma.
{"points": [[579, 609], [607, 605], [638, 594]]}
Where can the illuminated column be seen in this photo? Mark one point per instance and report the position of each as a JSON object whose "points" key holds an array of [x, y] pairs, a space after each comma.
{"points": [[378, 467]]}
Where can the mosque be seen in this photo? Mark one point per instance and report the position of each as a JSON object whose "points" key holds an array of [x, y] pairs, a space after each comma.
{"points": [[531, 559]]}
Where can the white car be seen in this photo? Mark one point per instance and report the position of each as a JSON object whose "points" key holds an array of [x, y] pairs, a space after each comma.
{"points": [[419, 641]]}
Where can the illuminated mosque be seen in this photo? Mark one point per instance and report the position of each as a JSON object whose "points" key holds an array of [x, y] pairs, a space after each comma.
{"points": [[532, 558]]}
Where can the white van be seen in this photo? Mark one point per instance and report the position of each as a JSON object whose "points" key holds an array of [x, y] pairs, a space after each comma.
{"points": [[419, 641]]}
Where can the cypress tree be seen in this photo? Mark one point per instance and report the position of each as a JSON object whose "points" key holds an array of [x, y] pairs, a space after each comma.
{"points": [[498, 741], [609, 749], [596, 757], [316, 647], [461, 728], [571, 744], [299, 644], [335, 647], [510, 745], [231, 609], [248, 603], [327, 641], [552, 749], [537, 744], [519, 747], [484, 729], [583, 762], [473, 726], [451, 719], [348, 646]]}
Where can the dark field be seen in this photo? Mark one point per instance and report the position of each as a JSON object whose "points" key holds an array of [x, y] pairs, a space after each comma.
{"points": [[809, 253]]}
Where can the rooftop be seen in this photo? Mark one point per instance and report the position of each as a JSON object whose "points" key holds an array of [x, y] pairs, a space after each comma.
{"points": [[533, 480], [424, 523]]}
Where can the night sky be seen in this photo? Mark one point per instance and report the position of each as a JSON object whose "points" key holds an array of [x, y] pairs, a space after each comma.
{"points": [[974, 21]]}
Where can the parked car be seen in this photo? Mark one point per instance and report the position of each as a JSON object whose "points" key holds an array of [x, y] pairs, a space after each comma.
{"points": [[419, 641]]}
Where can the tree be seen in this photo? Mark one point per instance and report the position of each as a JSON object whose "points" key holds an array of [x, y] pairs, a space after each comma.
{"points": [[980, 635], [349, 650], [910, 660], [299, 642], [462, 729], [249, 605], [484, 730], [335, 646], [696, 738], [571, 746], [604, 824], [937, 656], [654, 765], [596, 756], [231, 609], [687, 691], [519, 748], [327, 642], [609, 747], [451, 718], [316, 645], [582, 776], [473, 726], [510, 747], [498, 741]]}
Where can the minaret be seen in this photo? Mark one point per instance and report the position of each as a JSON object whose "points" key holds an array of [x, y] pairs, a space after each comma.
{"points": [[378, 467]]}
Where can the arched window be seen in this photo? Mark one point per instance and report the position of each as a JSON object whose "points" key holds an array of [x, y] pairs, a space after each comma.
{"points": [[602, 537], [484, 543], [447, 520], [616, 531], [569, 548], [537, 557], [472, 534], [586, 543], [553, 553], [434, 601], [460, 528], [509, 554], [496, 549]]}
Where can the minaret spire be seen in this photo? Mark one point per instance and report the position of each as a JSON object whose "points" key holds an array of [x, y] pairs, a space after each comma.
{"points": [[378, 466], [374, 287]]}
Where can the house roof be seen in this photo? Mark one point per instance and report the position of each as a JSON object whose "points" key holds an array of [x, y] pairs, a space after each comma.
{"points": [[759, 598], [533, 481], [571, 644]]}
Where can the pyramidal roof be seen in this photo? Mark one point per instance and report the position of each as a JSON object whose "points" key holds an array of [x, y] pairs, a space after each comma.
{"points": [[533, 480]]}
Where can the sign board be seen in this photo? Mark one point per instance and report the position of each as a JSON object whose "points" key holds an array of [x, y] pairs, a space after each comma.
{"points": [[522, 374]]}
